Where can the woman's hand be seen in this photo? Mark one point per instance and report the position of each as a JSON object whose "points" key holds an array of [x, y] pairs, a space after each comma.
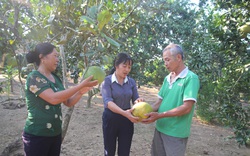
{"points": [[130, 116], [85, 90], [139, 100], [88, 82]]}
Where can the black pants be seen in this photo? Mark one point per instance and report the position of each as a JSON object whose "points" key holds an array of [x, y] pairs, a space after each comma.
{"points": [[116, 128], [41, 146]]}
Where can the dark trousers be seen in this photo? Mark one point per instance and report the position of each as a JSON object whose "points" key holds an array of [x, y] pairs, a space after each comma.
{"points": [[116, 128], [41, 146]]}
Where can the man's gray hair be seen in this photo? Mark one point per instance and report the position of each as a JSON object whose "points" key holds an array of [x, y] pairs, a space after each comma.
{"points": [[174, 50]]}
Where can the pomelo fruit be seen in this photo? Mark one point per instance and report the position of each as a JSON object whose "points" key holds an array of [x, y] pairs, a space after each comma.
{"points": [[248, 142], [97, 72], [140, 109], [244, 30]]}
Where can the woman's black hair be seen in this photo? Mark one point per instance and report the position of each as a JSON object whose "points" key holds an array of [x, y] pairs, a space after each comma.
{"points": [[41, 48], [121, 58]]}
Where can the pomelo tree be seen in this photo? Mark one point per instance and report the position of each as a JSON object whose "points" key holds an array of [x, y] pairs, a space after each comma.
{"points": [[84, 31], [223, 65]]}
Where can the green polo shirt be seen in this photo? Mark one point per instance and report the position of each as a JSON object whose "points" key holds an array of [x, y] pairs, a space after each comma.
{"points": [[44, 119], [185, 87]]}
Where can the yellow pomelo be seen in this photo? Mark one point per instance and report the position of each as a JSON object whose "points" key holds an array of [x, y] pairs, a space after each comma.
{"points": [[248, 141], [244, 30], [140, 109], [97, 72]]}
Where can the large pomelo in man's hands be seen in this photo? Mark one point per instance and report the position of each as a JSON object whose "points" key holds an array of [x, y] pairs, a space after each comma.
{"points": [[97, 72], [140, 109]]}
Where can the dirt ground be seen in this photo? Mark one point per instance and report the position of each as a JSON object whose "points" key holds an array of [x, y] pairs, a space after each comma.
{"points": [[84, 136]]}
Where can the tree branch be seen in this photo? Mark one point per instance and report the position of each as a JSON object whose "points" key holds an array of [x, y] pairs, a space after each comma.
{"points": [[128, 15]]}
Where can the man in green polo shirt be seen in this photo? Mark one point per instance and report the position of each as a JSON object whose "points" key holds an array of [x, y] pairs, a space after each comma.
{"points": [[174, 109]]}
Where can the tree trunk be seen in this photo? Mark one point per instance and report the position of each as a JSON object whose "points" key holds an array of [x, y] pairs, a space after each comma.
{"points": [[90, 95], [66, 121], [11, 85], [69, 111]]}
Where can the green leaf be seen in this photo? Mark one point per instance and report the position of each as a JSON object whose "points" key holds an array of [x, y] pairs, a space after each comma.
{"points": [[87, 19], [62, 42], [88, 29], [12, 62], [110, 40], [107, 59], [103, 18], [92, 12]]}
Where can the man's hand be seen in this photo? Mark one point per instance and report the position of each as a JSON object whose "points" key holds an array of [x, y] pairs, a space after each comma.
{"points": [[152, 117]]}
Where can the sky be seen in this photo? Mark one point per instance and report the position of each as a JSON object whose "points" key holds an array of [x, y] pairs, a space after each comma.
{"points": [[195, 1]]}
